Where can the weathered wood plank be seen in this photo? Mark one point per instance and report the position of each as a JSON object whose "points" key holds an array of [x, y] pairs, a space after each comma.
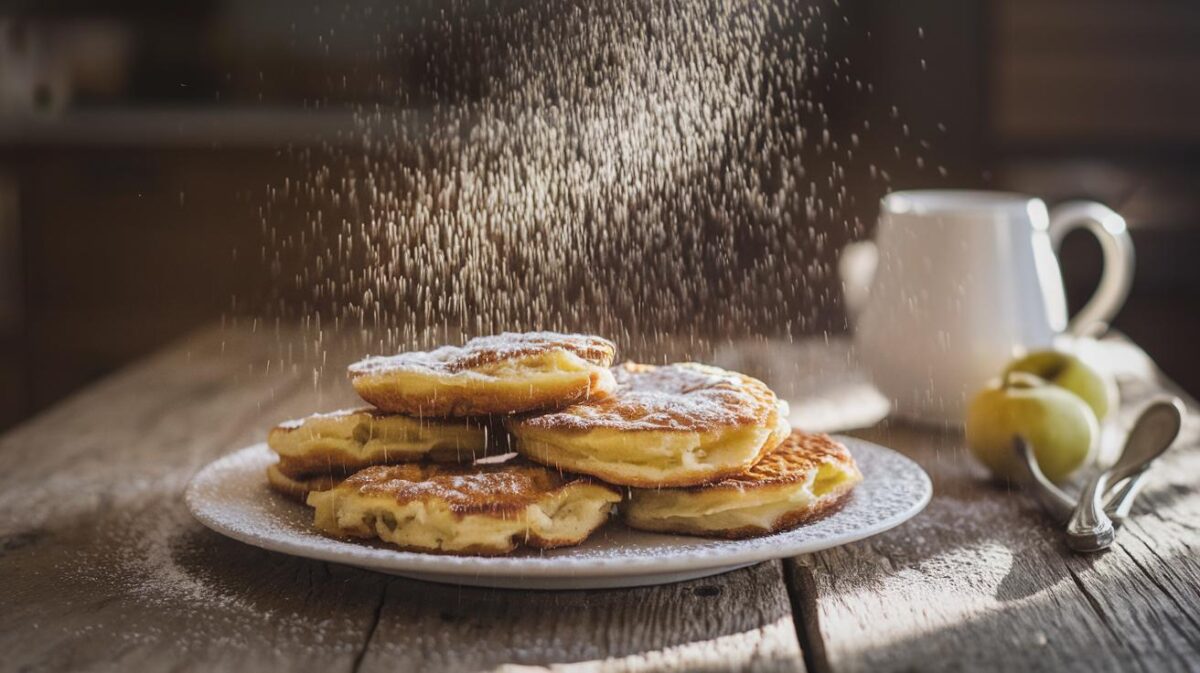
{"points": [[1147, 589], [981, 581], [103, 568], [738, 621]]}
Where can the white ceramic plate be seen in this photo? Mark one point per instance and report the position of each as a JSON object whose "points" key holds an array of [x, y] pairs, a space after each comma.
{"points": [[231, 497]]}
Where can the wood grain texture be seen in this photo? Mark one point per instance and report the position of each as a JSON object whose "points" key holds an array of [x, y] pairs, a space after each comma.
{"points": [[104, 569], [980, 581], [738, 621]]}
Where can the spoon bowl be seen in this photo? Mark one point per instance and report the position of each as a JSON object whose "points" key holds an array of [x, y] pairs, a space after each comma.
{"points": [[1152, 434]]}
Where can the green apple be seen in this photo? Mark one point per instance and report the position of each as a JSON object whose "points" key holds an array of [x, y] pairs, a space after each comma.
{"points": [[1068, 371], [1059, 426]]}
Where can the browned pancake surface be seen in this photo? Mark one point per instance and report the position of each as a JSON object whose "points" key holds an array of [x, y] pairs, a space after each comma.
{"points": [[684, 397], [789, 463], [480, 489]]}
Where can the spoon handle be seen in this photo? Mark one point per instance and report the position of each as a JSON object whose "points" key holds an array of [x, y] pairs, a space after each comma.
{"points": [[1057, 504], [1090, 529], [1120, 502]]}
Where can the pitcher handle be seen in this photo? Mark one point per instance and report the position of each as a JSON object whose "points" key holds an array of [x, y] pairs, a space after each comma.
{"points": [[1109, 228], [857, 270]]}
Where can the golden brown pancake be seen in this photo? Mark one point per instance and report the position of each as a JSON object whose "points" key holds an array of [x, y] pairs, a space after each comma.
{"points": [[802, 479], [485, 510], [324, 447], [501, 374], [676, 425]]}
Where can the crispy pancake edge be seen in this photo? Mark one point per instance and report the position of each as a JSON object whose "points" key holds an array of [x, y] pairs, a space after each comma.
{"points": [[767, 471], [298, 488]]}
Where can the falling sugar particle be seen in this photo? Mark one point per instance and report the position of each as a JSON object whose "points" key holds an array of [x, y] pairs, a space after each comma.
{"points": [[615, 170]]}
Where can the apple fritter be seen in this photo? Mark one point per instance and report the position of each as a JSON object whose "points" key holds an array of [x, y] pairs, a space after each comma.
{"points": [[501, 374], [805, 477], [675, 425], [454, 509]]}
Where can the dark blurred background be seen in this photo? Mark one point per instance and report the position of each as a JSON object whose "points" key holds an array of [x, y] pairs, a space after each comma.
{"points": [[138, 140]]}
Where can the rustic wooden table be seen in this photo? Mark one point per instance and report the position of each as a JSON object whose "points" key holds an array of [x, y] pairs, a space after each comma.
{"points": [[101, 567]]}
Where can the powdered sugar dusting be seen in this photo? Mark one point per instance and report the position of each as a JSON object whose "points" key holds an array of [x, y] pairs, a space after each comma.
{"points": [[138, 562], [680, 397], [298, 423], [487, 350]]}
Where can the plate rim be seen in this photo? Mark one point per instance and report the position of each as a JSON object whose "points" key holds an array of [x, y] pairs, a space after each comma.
{"points": [[400, 561]]}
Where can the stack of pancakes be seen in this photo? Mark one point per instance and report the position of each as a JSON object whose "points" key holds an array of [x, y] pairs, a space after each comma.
{"points": [[534, 439]]}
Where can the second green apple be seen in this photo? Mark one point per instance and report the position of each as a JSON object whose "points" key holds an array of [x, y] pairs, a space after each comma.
{"points": [[1069, 371], [1061, 429]]}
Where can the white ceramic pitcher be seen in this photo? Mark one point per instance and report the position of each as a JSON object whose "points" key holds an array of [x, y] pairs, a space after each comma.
{"points": [[957, 283]]}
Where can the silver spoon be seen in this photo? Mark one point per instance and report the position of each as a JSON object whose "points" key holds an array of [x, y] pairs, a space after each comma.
{"points": [[1090, 528], [1152, 434], [1120, 501]]}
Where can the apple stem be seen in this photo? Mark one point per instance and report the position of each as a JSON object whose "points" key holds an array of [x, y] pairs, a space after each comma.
{"points": [[1021, 380]]}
